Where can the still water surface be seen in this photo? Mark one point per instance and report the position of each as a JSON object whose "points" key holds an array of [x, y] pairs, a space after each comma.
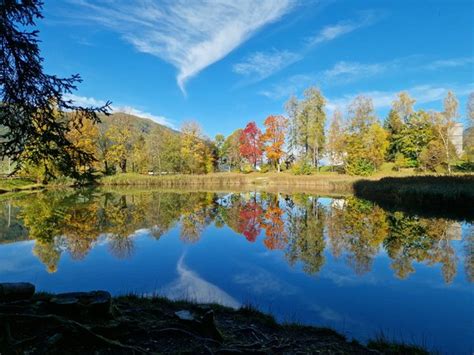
{"points": [[339, 262]]}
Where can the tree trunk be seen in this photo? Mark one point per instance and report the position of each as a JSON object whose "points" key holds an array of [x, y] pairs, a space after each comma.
{"points": [[123, 165]]}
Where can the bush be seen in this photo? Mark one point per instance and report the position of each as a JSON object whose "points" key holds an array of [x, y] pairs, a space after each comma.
{"points": [[400, 162], [361, 166], [247, 169], [302, 168], [465, 166], [265, 168]]}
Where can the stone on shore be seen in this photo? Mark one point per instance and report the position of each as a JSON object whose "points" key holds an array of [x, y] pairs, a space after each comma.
{"points": [[15, 291]]}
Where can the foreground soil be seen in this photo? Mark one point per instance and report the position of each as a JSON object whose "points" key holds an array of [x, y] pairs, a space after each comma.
{"points": [[96, 323]]}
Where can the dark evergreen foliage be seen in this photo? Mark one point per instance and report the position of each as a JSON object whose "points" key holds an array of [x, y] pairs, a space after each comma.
{"points": [[35, 116]]}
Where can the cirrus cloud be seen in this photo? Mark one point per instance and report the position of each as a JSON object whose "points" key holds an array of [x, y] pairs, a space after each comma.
{"points": [[191, 35]]}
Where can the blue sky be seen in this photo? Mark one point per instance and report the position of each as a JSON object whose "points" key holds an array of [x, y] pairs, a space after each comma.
{"points": [[226, 62]]}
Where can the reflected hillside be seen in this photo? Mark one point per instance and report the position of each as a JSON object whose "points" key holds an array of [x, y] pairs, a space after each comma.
{"points": [[306, 228]]}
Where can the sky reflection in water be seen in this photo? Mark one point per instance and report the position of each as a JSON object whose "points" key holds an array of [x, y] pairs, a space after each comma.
{"points": [[339, 262]]}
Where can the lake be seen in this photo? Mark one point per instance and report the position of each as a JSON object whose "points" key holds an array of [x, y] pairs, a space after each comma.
{"points": [[340, 262]]}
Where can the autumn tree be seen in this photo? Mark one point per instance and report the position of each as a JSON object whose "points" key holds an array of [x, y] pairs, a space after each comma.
{"points": [[120, 137], [231, 150], [366, 140], [139, 158], [470, 108], [311, 120], [335, 147], [433, 157], [251, 147], [274, 138], [171, 159], [292, 109], [86, 139], [403, 105], [444, 123], [195, 154], [219, 141]]}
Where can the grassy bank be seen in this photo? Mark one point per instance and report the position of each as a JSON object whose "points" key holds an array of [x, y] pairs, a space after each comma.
{"points": [[96, 323], [17, 184], [448, 195], [325, 182]]}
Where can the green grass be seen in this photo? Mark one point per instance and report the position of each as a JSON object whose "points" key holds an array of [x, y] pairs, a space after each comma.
{"points": [[395, 347], [16, 184]]}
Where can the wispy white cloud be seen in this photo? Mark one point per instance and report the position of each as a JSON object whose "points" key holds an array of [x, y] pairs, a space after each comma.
{"points": [[339, 29], [424, 94], [191, 35], [290, 86], [345, 72], [260, 65], [90, 101], [450, 63], [353, 70]]}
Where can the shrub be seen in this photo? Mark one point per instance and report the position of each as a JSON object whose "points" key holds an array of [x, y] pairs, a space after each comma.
{"points": [[400, 162], [302, 168], [432, 157], [361, 166], [247, 169], [265, 168]]}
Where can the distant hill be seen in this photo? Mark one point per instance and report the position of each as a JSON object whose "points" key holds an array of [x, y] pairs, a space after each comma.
{"points": [[143, 125]]}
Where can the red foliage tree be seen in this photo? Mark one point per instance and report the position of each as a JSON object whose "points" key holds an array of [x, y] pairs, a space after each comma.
{"points": [[251, 147]]}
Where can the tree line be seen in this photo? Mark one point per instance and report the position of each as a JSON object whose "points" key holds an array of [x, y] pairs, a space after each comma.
{"points": [[356, 144]]}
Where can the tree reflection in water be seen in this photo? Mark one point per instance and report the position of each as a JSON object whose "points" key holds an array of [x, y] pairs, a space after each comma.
{"points": [[299, 225]]}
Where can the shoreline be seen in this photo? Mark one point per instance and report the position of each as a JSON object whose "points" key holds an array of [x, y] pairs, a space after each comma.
{"points": [[96, 322], [436, 195]]}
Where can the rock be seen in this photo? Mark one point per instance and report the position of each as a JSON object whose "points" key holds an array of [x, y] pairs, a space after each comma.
{"points": [[16, 291], [95, 303], [209, 327], [204, 325], [184, 315]]}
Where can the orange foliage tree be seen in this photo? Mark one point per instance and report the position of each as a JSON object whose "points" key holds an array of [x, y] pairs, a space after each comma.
{"points": [[274, 138]]}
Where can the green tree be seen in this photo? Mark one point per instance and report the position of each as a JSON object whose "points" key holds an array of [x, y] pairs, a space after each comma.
{"points": [[415, 136], [394, 126]]}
